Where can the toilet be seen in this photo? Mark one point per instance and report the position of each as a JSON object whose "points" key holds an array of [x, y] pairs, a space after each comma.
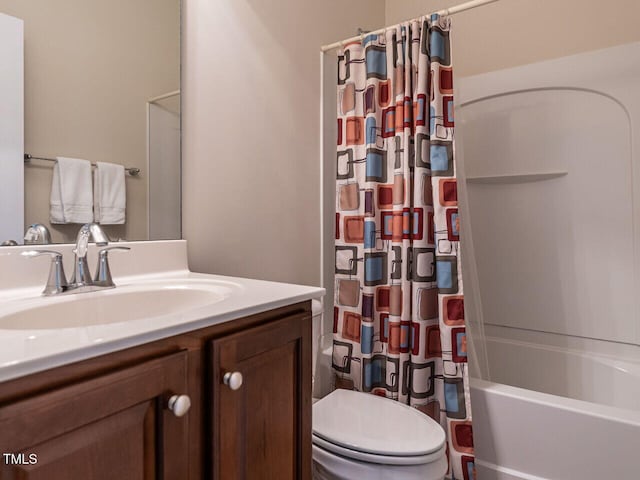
{"points": [[362, 436]]}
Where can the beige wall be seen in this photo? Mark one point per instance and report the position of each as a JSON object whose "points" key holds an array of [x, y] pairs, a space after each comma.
{"points": [[251, 108], [251, 131], [517, 32], [90, 66]]}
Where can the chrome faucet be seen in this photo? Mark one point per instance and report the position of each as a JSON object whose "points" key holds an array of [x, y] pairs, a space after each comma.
{"points": [[81, 275], [81, 280], [37, 233]]}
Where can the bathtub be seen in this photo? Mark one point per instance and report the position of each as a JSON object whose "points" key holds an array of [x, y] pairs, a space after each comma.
{"points": [[556, 413]]}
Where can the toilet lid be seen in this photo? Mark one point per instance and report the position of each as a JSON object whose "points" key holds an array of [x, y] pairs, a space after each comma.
{"points": [[375, 425]]}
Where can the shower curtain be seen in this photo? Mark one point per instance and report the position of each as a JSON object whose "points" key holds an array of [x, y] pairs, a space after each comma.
{"points": [[399, 326]]}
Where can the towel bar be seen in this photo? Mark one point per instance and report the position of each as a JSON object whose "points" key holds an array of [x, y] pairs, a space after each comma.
{"points": [[133, 171]]}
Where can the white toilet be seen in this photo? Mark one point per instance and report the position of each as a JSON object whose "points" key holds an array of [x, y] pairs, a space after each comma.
{"points": [[362, 436]]}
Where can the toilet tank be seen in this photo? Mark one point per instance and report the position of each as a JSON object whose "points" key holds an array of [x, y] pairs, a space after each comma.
{"points": [[321, 363]]}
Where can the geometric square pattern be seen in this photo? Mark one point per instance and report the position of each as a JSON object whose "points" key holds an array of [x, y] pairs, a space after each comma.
{"points": [[427, 304], [351, 326], [454, 398], [462, 437], [354, 130], [453, 310], [447, 274], [458, 345], [376, 165], [453, 224], [424, 265], [348, 292], [446, 79], [353, 228], [349, 198], [433, 347], [468, 467], [385, 196], [399, 319], [448, 192], [375, 269], [345, 164], [346, 261], [441, 156], [419, 379]]}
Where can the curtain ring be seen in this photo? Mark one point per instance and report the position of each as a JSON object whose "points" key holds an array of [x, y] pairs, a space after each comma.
{"points": [[361, 33]]}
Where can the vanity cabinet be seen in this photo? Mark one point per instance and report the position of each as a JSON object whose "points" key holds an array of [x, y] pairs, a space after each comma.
{"points": [[112, 426], [108, 417], [259, 427]]}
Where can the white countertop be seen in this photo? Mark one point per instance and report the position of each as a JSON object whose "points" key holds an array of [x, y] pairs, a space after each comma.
{"points": [[26, 351]]}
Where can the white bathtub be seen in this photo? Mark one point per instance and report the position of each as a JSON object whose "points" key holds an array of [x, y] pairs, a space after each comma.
{"points": [[585, 426]]}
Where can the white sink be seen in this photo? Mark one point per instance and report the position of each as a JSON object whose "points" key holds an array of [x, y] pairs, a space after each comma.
{"points": [[156, 297], [124, 303]]}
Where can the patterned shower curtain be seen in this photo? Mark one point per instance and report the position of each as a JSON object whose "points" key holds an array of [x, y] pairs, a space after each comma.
{"points": [[399, 328]]}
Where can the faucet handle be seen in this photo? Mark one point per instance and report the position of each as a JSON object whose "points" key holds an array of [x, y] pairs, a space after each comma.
{"points": [[40, 252], [103, 272], [57, 281]]}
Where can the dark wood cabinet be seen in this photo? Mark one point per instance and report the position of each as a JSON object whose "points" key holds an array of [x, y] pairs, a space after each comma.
{"points": [[259, 430], [112, 426], [108, 417]]}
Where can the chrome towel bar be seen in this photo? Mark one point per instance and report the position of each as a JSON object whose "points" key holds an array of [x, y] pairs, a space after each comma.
{"points": [[133, 171]]}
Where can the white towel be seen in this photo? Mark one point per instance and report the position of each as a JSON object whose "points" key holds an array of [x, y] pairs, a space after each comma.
{"points": [[109, 194], [71, 198]]}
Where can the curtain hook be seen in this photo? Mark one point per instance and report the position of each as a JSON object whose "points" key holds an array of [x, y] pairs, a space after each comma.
{"points": [[361, 33]]}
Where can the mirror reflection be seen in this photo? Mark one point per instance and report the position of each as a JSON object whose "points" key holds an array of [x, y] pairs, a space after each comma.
{"points": [[91, 124]]}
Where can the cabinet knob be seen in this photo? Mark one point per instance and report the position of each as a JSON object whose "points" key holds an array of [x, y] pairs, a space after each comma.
{"points": [[179, 404], [233, 380]]}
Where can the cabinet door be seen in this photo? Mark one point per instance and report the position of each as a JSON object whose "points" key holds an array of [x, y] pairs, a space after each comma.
{"points": [[114, 426], [262, 430]]}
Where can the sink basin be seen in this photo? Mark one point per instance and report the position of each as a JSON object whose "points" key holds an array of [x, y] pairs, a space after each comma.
{"points": [[122, 304]]}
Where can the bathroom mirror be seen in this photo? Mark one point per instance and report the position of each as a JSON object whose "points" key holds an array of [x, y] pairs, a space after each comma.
{"points": [[101, 83]]}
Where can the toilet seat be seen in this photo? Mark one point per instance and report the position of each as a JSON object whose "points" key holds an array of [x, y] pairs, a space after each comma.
{"points": [[375, 458], [374, 429]]}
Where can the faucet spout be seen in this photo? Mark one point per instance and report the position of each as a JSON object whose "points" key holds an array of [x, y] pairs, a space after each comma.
{"points": [[90, 231], [82, 275]]}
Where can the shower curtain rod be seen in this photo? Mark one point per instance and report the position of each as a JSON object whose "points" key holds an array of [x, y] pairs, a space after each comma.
{"points": [[446, 11]]}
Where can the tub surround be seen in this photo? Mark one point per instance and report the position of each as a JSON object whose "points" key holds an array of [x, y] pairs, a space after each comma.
{"points": [[561, 331], [160, 264]]}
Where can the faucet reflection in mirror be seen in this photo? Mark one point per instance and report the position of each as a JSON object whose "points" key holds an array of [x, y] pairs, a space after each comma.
{"points": [[37, 234], [81, 281]]}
